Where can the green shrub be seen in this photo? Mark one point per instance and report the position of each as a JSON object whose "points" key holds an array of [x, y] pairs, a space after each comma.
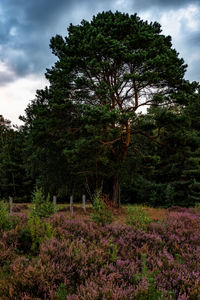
{"points": [[36, 230], [24, 241], [197, 205], [137, 217], [101, 215], [39, 232], [112, 251], [5, 220], [41, 207], [62, 292], [33, 234]]}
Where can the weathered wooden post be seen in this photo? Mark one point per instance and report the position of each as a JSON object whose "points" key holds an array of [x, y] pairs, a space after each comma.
{"points": [[71, 205], [10, 204], [83, 201], [54, 201]]}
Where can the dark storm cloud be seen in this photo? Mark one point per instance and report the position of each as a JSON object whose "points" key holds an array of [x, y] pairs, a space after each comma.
{"points": [[160, 4], [33, 12], [25, 30], [26, 27], [190, 46]]}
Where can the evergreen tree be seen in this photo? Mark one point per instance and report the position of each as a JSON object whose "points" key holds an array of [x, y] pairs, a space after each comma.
{"points": [[108, 69], [46, 130], [13, 178], [169, 172]]}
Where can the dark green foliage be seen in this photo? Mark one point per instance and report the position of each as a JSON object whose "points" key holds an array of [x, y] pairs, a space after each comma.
{"points": [[62, 292], [13, 178], [7, 222], [137, 217], [32, 235], [41, 206], [24, 242], [169, 172], [84, 132], [106, 70], [36, 230], [101, 214], [45, 160], [39, 232]]}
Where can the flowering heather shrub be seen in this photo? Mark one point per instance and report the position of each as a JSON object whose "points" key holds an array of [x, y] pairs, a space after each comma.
{"points": [[75, 229], [16, 209], [87, 262], [8, 242], [59, 262]]}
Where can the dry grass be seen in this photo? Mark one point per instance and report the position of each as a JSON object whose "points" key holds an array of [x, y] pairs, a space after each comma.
{"points": [[119, 214], [156, 214]]}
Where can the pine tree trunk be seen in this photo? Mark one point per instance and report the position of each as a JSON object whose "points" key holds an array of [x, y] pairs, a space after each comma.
{"points": [[116, 191]]}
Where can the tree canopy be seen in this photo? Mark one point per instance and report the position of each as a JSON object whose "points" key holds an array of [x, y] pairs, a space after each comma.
{"points": [[110, 68], [87, 125], [13, 178]]}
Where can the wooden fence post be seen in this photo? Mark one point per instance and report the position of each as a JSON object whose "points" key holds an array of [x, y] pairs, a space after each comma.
{"points": [[10, 204], [54, 201], [71, 205], [83, 200]]}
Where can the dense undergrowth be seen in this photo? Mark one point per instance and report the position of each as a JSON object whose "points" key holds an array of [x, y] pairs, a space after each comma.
{"points": [[76, 259]]}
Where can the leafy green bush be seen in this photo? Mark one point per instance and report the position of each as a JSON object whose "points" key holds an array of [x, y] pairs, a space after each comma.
{"points": [[41, 207], [39, 232], [33, 234], [137, 217], [36, 229], [101, 215]]}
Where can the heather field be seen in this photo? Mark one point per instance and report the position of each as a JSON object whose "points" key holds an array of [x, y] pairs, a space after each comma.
{"points": [[143, 253]]}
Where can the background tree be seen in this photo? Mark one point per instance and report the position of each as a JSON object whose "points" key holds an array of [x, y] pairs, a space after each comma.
{"points": [[169, 173], [13, 178], [45, 129]]}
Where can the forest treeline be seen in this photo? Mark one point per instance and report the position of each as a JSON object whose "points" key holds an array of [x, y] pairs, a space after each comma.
{"points": [[118, 116]]}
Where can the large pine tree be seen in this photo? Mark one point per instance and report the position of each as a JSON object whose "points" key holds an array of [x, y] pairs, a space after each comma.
{"points": [[107, 70], [117, 63]]}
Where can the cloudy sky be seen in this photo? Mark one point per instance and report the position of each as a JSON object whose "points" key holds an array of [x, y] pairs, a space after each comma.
{"points": [[26, 27]]}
